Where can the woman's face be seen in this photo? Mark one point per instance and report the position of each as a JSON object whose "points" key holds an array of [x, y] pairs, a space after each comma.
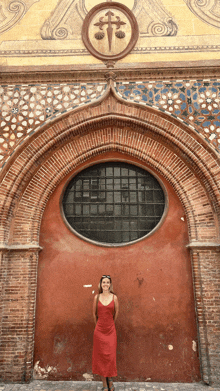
{"points": [[105, 284]]}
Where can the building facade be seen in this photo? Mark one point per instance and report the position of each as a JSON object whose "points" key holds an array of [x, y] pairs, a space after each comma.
{"points": [[110, 164]]}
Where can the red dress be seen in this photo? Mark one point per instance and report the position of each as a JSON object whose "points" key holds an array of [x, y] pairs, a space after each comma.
{"points": [[105, 342]]}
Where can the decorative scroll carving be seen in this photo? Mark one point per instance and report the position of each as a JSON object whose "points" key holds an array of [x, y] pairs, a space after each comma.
{"points": [[66, 20], [12, 11], [207, 10], [153, 19]]}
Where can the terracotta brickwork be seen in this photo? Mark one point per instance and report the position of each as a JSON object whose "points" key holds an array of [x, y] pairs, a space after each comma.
{"points": [[36, 168], [144, 148], [17, 317], [206, 282]]}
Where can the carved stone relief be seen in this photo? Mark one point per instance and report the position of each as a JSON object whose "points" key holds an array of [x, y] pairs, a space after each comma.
{"points": [[110, 31], [12, 11], [153, 20], [67, 19], [207, 10]]}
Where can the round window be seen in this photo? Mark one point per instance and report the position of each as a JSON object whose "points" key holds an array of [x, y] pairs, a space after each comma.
{"points": [[113, 203]]}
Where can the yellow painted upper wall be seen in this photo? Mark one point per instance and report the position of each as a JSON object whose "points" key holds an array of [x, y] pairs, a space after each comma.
{"points": [[25, 38]]}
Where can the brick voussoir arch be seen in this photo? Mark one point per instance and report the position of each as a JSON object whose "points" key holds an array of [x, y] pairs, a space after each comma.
{"points": [[75, 152], [109, 120], [110, 111]]}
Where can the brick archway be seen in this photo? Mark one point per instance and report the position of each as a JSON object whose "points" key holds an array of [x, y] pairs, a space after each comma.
{"points": [[40, 164], [193, 151], [29, 212]]}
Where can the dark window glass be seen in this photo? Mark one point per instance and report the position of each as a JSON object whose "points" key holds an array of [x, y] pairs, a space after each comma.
{"points": [[113, 203]]}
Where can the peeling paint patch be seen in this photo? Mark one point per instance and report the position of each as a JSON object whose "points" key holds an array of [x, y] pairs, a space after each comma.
{"points": [[182, 218], [59, 345], [87, 286], [194, 346], [88, 376], [93, 292], [170, 347], [43, 373]]}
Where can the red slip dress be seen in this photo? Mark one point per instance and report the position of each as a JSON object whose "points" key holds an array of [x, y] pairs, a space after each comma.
{"points": [[105, 342]]}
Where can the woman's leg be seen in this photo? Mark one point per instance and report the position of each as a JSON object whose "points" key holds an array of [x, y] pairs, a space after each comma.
{"points": [[110, 384], [104, 382]]}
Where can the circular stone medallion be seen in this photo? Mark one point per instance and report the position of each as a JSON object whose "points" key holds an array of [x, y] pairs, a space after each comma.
{"points": [[110, 31]]}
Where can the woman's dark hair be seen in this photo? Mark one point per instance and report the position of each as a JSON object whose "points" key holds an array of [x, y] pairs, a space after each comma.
{"points": [[100, 283]]}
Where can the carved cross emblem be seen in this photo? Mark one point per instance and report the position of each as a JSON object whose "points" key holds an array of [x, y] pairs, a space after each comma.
{"points": [[109, 29], [110, 32]]}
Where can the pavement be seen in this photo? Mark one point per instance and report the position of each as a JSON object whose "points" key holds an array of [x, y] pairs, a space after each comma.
{"points": [[42, 385]]}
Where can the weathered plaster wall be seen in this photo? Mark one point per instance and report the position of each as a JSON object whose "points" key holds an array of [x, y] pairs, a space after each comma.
{"points": [[157, 336]]}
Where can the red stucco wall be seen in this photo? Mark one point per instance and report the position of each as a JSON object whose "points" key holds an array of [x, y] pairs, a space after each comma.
{"points": [[153, 280]]}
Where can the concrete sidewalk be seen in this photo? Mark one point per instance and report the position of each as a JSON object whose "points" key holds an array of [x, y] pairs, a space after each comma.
{"points": [[41, 385]]}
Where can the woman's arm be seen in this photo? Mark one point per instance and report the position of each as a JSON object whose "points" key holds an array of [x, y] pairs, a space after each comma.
{"points": [[94, 308], [116, 307]]}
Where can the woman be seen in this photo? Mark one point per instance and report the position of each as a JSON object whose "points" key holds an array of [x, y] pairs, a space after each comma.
{"points": [[105, 312]]}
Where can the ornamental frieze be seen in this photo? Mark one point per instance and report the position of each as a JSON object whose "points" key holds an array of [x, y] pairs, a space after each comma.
{"points": [[66, 20], [12, 11], [26, 108], [207, 10]]}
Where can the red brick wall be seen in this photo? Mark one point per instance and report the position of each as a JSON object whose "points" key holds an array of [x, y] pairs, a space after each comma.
{"points": [[18, 273], [206, 268], [30, 177]]}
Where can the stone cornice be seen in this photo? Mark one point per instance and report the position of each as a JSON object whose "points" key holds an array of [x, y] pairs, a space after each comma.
{"points": [[131, 71], [20, 247], [198, 245]]}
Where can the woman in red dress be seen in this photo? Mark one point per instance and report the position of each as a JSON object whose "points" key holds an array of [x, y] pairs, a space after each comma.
{"points": [[105, 312]]}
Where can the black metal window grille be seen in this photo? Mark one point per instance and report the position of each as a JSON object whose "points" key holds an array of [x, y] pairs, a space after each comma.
{"points": [[113, 203]]}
